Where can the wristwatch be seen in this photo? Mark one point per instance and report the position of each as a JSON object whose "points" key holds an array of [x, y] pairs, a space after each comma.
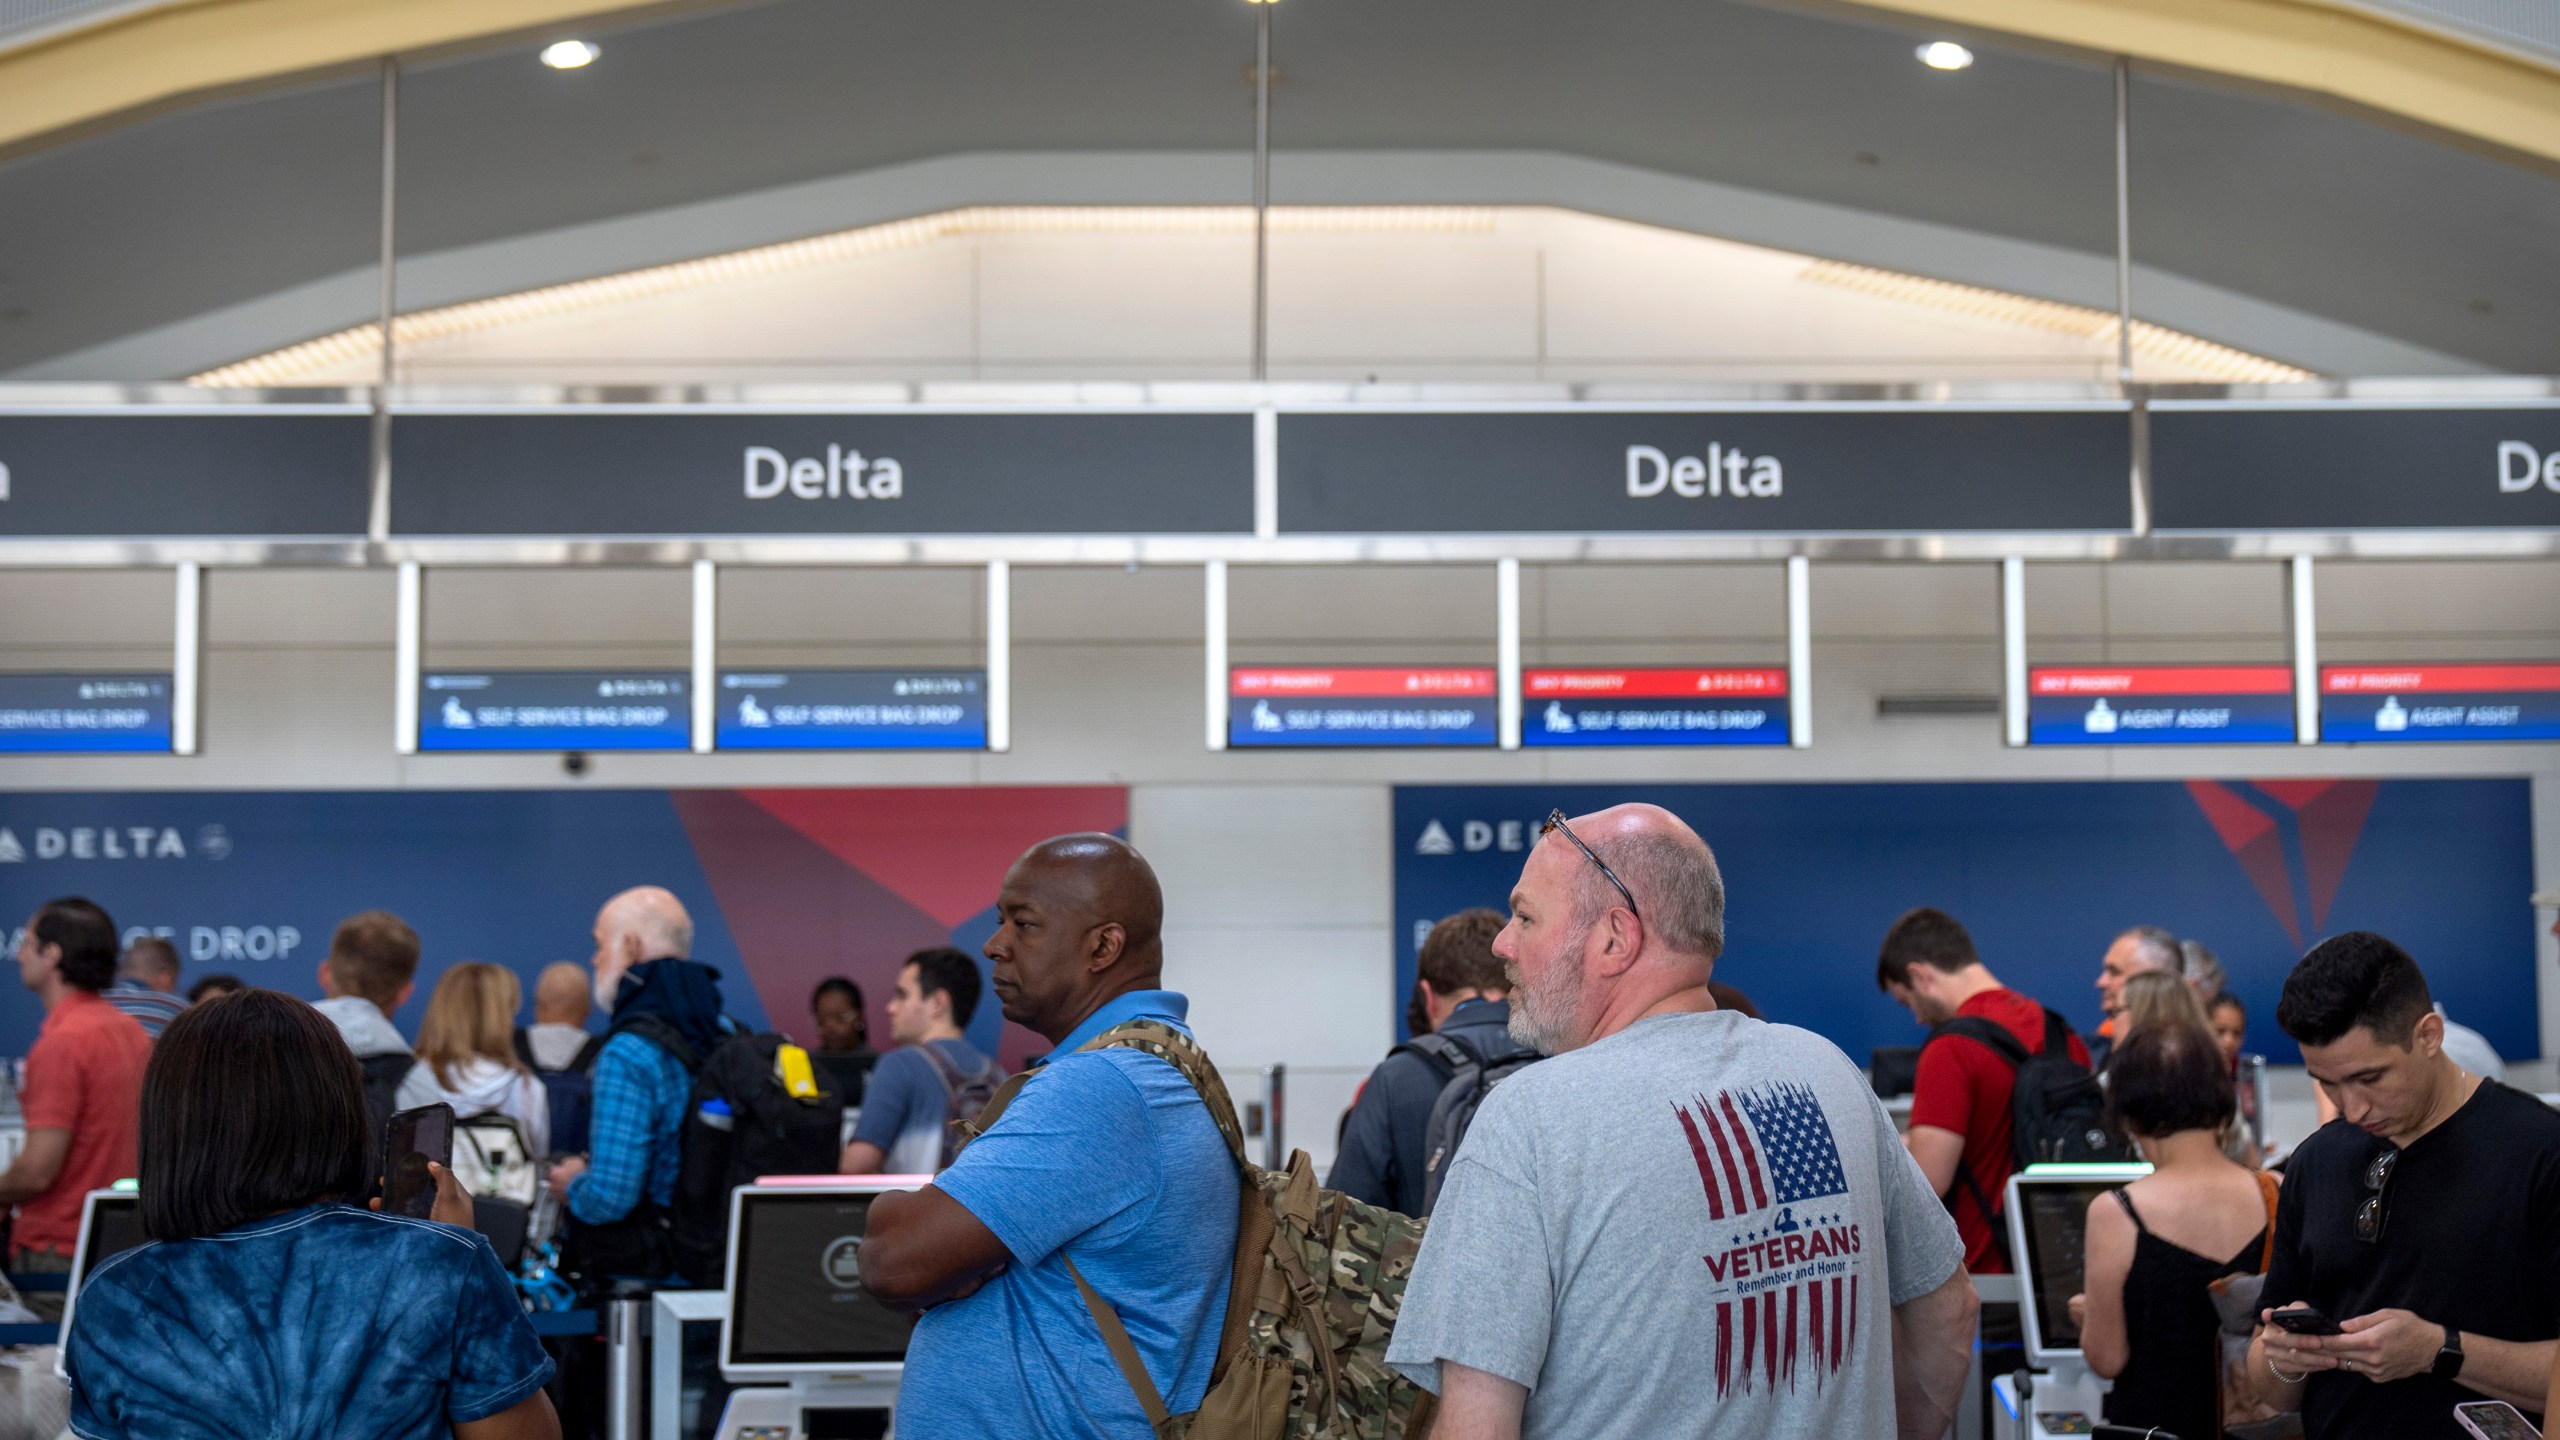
{"points": [[2449, 1359]]}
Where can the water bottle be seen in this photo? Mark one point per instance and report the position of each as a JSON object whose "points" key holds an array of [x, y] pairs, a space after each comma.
{"points": [[717, 1114]]}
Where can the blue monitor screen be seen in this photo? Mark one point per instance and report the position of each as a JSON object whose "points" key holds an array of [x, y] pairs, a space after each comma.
{"points": [[852, 710], [84, 714], [1360, 705], [2399, 704], [2160, 705], [555, 710]]}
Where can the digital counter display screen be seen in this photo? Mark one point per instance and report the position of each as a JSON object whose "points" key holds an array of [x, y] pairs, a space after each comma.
{"points": [[555, 710], [798, 1296], [2160, 705], [2394, 704], [1372, 706], [84, 714], [852, 710], [1653, 707]]}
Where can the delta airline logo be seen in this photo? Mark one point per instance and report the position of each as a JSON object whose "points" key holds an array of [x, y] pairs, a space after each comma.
{"points": [[2327, 817], [110, 842], [1474, 836], [1786, 1273]]}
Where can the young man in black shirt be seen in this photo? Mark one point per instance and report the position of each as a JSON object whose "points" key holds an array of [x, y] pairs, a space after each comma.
{"points": [[2425, 1220]]}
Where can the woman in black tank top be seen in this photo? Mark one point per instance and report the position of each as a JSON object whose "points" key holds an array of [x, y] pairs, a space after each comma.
{"points": [[2147, 1310]]}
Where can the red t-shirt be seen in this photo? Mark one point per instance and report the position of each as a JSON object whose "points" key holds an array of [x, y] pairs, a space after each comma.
{"points": [[1963, 1086], [85, 1076]]}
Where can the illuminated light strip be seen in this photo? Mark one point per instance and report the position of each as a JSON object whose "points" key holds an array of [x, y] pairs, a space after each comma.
{"points": [[363, 342], [2159, 342], [360, 344]]}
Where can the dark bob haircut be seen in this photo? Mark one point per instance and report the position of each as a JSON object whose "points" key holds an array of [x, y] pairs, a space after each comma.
{"points": [[2167, 1078], [87, 938], [954, 974], [2358, 978], [251, 1106], [838, 985], [1923, 937]]}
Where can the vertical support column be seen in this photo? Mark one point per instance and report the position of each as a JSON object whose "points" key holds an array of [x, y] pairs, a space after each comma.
{"points": [[706, 654], [1214, 626], [408, 630], [378, 513], [1262, 190], [1799, 652], [2124, 222], [626, 1330], [1266, 473], [1275, 1116], [186, 669], [1506, 651], [2306, 656], [2013, 651], [999, 655]]}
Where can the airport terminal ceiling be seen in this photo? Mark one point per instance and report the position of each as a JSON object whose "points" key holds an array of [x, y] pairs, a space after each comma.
{"points": [[2282, 228]]}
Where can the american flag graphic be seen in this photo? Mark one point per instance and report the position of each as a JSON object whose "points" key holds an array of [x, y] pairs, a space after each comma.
{"points": [[1763, 1157]]}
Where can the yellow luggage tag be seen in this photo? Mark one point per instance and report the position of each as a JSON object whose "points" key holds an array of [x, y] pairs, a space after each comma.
{"points": [[791, 1067]]}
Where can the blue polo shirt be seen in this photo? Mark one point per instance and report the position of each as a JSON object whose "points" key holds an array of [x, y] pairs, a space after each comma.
{"points": [[1109, 1158]]}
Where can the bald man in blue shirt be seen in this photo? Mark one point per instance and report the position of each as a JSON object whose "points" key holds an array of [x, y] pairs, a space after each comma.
{"points": [[1107, 1158]]}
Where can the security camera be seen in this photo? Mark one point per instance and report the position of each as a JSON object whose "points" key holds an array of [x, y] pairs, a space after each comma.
{"points": [[575, 762]]}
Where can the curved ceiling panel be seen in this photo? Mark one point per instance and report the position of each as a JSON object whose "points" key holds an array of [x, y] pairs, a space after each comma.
{"points": [[2316, 238]]}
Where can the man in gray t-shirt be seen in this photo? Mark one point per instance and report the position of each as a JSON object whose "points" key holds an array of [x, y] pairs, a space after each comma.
{"points": [[1688, 1223]]}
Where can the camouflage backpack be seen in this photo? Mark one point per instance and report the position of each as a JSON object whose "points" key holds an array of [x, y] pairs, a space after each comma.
{"points": [[1318, 1280]]}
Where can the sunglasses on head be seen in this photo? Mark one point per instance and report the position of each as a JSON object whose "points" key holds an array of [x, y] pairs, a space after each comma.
{"points": [[1555, 821]]}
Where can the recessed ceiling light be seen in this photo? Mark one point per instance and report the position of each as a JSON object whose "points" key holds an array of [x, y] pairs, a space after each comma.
{"points": [[571, 54], [1945, 55]]}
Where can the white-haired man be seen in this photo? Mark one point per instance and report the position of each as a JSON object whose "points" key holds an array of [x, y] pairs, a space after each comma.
{"points": [[1686, 1223], [665, 1010]]}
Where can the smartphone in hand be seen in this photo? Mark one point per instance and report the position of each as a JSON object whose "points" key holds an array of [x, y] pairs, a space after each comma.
{"points": [[2494, 1420], [410, 1140], [2303, 1320]]}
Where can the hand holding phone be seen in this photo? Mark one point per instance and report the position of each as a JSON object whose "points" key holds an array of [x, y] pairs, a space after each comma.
{"points": [[410, 1142]]}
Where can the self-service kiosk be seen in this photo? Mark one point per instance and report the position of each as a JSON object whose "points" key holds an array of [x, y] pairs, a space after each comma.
{"points": [[2048, 1213], [818, 1357]]}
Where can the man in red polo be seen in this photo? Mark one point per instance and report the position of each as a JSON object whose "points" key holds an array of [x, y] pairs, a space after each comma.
{"points": [[83, 1096], [1960, 1117]]}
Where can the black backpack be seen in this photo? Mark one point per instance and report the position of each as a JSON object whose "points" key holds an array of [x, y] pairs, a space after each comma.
{"points": [[770, 1131], [2057, 1110], [1467, 1075]]}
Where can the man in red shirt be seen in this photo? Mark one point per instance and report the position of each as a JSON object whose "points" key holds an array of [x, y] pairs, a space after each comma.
{"points": [[1960, 1125], [83, 1096]]}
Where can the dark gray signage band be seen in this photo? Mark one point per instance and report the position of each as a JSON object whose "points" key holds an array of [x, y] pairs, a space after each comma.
{"points": [[1920, 470], [127, 473], [2221, 467], [819, 474]]}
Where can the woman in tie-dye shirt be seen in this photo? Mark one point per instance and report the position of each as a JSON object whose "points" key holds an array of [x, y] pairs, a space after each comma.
{"points": [[265, 1304]]}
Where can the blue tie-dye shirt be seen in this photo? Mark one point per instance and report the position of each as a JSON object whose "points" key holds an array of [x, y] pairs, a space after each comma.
{"points": [[327, 1321]]}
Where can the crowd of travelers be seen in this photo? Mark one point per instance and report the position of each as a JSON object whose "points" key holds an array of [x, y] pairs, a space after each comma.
{"points": [[1650, 1211]]}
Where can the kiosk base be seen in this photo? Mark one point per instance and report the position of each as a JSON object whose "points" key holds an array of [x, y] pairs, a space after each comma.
{"points": [[2054, 1399], [818, 1409]]}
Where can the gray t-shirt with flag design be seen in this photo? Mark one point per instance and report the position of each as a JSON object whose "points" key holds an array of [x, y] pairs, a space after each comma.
{"points": [[1696, 1227]]}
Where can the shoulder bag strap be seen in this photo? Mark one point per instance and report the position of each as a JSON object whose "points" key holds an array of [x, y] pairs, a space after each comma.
{"points": [[1115, 1336], [2270, 1187]]}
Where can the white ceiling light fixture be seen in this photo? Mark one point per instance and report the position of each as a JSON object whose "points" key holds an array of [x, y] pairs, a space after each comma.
{"points": [[569, 54], [1945, 55]]}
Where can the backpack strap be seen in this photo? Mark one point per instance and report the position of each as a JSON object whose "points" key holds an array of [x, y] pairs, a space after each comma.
{"points": [[943, 1070], [1115, 1337], [1991, 1034], [663, 1035], [584, 1062], [524, 1048], [1443, 1053], [2057, 1036], [1178, 1050]]}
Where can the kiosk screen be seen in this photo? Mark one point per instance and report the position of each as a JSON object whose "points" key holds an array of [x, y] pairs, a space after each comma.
{"points": [[798, 1296]]}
